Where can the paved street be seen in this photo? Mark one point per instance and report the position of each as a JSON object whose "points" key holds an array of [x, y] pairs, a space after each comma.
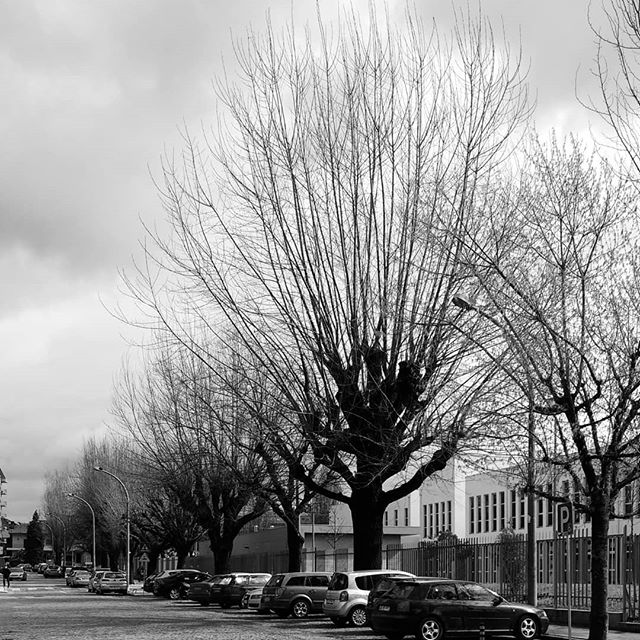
{"points": [[48, 610]]}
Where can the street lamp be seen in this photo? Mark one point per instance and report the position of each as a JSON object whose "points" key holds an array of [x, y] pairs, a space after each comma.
{"points": [[93, 518], [126, 493], [64, 537], [53, 541], [467, 304]]}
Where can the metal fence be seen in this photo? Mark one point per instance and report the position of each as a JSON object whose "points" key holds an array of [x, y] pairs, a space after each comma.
{"points": [[499, 564]]}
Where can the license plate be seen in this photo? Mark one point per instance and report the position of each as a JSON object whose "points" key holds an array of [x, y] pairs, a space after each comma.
{"points": [[384, 607]]}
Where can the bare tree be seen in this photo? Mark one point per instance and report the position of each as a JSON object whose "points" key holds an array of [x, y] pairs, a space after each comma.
{"points": [[321, 222], [188, 432], [563, 297], [617, 70]]}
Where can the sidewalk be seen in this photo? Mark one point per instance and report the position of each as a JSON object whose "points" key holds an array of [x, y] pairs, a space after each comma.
{"points": [[581, 633]]}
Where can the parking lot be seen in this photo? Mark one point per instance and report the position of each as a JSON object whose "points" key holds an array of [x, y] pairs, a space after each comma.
{"points": [[46, 608]]}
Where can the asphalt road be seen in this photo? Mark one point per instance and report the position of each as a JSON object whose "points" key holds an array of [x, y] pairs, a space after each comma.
{"points": [[42, 609]]}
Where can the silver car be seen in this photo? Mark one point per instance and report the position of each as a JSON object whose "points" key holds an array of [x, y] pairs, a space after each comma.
{"points": [[346, 599]]}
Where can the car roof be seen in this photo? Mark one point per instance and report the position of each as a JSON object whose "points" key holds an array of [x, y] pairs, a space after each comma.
{"points": [[376, 572]]}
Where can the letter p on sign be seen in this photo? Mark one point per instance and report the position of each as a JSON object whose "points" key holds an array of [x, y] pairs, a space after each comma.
{"points": [[564, 519]]}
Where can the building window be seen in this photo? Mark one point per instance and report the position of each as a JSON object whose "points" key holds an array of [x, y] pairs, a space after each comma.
{"points": [[549, 507], [479, 512], [472, 516], [540, 511], [494, 512], [424, 521], [395, 517], [486, 512], [523, 511], [628, 500], [431, 521], [437, 518], [448, 515], [406, 516], [386, 518], [503, 512], [514, 508]]}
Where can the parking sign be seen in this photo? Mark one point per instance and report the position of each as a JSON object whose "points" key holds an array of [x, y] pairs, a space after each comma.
{"points": [[564, 519]]}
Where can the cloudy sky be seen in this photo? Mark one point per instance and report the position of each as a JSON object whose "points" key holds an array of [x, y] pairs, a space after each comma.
{"points": [[93, 92]]}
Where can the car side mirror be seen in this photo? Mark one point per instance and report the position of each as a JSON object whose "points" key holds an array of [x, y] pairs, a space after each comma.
{"points": [[498, 600]]}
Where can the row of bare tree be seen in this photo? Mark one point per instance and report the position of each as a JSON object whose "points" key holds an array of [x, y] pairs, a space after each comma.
{"points": [[373, 266]]}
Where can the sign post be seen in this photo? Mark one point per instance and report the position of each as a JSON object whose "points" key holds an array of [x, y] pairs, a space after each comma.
{"points": [[564, 520]]}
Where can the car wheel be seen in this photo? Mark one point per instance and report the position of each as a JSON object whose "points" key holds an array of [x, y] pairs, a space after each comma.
{"points": [[174, 594], [358, 617], [300, 609], [527, 628], [339, 622], [430, 629]]}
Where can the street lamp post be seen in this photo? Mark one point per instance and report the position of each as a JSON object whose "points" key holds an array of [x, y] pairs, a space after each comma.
{"points": [[466, 304], [53, 541], [126, 493], [93, 519], [64, 537]]}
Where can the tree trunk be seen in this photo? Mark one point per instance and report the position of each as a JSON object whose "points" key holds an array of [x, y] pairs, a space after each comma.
{"points": [[366, 515], [222, 550], [294, 545], [598, 617]]}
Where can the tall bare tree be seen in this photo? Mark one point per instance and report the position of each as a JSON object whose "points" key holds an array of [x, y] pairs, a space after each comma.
{"points": [[321, 222], [563, 297]]}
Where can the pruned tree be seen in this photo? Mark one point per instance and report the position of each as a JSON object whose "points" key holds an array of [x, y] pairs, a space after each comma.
{"points": [[563, 298], [321, 222]]}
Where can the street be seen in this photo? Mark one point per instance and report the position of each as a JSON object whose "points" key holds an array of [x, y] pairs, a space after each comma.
{"points": [[46, 609]]}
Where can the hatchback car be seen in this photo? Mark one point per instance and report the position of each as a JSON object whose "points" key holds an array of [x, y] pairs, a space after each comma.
{"points": [[111, 582], [174, 584], [233, 591], [346, 598], [431, 608], [93, 579], [297, 594], [18, 573], [207, 591], [53, 571], [79, 578]]}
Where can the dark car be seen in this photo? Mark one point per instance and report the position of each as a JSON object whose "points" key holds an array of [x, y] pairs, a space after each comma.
{"points": [[175, 583], [429, 608], [237, 585], [208, 591], [54, 571], [297, 594]]}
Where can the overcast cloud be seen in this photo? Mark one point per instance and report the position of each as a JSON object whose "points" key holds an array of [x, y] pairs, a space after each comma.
{"points": [[93, 92]]}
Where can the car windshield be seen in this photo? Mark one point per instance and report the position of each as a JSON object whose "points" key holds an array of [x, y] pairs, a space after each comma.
{"points": [[113, 575], [276, 580], [225, 580]]}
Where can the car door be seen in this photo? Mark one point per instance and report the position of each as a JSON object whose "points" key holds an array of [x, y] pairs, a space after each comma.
{"points": [[317, 589], [441, 598], [479, 607]]}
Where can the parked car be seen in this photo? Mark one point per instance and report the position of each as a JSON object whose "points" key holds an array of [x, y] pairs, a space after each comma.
{"points": [[346, 599], [431, 607], [79, 578], [111, 582], [39, 568], [234, 587], [297, 594], [26, 566], [149, 581], [174, 584], [93, 578], [53, 571], [207, 591], [253, 601], [18, 573]]}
